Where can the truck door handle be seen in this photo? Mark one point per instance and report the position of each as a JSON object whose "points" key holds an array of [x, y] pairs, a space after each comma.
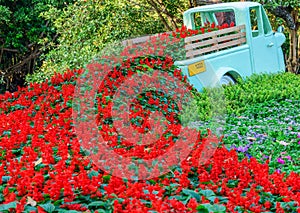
{"points": [[270, 44]]}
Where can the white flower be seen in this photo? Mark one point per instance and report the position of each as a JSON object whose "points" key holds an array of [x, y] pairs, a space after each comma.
{"points": [[283, 143]]}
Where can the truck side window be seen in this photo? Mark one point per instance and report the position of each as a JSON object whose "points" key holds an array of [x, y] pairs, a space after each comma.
{"points": [[266, 23], [254, 22]]}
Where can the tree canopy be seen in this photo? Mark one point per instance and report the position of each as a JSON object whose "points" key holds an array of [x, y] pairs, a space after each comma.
{"points": [[21, 29]]}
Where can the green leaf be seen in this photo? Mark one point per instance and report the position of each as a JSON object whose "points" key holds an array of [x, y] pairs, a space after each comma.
{"points": [[152, 182], [48, 207], [106, 178], [67, 211], [58, 202], [211, 198], [101, 211], [232, 183], [192, 194], [97, 204], [93, 173], [207, 193], [222, 199], [29, 208], [5, 179], [203, 208], [69, 103], [6, 207], [218, 208]]}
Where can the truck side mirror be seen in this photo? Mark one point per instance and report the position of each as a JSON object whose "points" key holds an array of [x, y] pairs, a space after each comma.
{"points": [[280, 29]]}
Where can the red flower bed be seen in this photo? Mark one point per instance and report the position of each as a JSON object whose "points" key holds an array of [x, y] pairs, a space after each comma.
{"points": [[44, 169]]}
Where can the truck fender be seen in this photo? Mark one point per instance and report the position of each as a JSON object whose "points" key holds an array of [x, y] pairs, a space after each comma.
{"points": [[228, 71]]}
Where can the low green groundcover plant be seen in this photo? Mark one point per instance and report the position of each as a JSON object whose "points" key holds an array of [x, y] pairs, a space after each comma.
{"points": [[268, 131]]}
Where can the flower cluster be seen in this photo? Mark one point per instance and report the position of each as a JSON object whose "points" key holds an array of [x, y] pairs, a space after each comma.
{"points": [[184, 32], [268, 131]]}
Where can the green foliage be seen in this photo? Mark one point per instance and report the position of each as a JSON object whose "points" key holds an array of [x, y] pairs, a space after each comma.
{"points": [[86, 27], [48, 207], [21, 24], [8, 206], [21, 30], [253, 90], [261, 88], [4, 14], [211, 208], [277, 3]]}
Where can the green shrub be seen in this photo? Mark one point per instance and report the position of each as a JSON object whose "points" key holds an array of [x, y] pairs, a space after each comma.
{"points": [[253, 90], [261, 88]]}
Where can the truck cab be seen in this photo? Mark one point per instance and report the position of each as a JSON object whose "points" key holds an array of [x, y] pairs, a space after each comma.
{"points": [[259, 53]]}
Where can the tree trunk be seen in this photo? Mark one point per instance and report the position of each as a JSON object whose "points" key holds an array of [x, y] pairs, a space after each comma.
{"points": [[156, 8], [293, 61]]}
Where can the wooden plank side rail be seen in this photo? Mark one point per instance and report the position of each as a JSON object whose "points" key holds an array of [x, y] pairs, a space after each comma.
{"points": [[221, 46], [214, 41]]}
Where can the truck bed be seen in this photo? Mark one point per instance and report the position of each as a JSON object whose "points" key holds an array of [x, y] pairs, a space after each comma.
{"points": [[203, 44]]}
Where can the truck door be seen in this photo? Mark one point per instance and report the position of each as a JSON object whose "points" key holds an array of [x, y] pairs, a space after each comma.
{"points": [[264, 50]]}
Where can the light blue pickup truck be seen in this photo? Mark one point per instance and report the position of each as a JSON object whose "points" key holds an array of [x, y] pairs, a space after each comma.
{"points": [[246, 46], [249, 46]]}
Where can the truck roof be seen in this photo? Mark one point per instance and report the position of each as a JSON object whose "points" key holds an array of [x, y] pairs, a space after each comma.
{"points": [[228, 5]]}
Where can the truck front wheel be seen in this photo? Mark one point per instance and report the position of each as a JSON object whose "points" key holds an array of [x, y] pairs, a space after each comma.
{"points": [[227, 80]]}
